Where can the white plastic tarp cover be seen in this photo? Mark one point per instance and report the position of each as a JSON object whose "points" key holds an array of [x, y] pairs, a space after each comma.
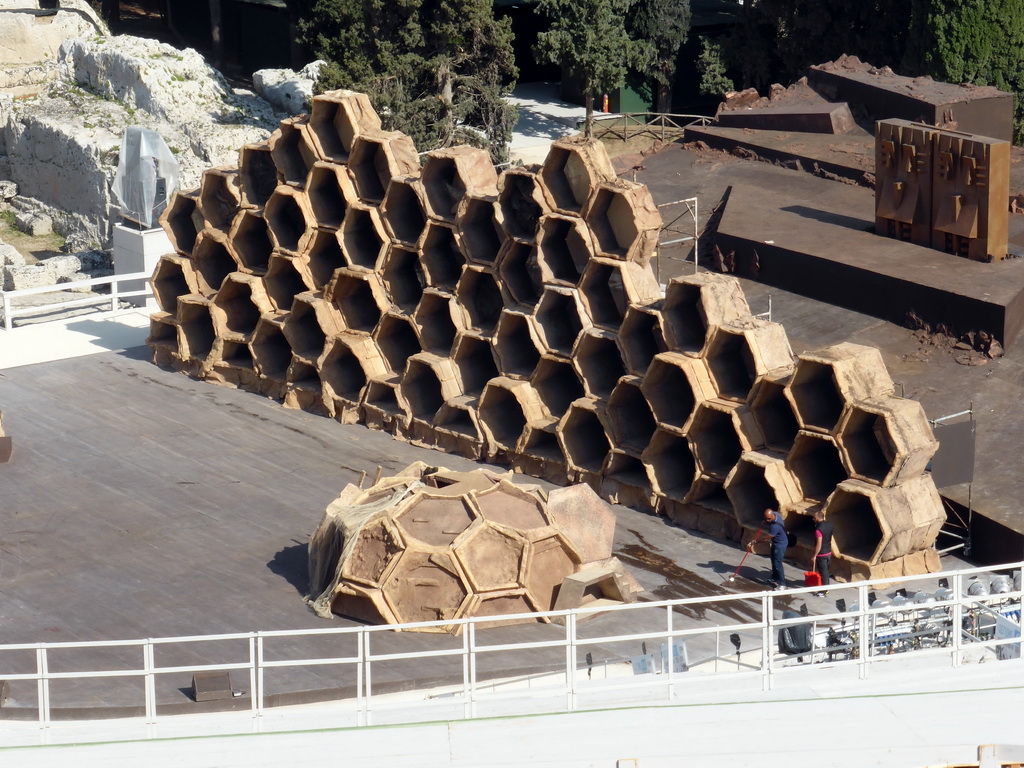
{"points": [[146, 177]]}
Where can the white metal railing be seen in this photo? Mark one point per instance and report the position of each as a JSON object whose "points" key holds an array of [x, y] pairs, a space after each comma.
{"points": [[949, 623], [113, 298]]}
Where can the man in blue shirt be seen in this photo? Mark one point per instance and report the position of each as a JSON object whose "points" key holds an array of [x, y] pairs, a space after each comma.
{"points": [[780, 540]]}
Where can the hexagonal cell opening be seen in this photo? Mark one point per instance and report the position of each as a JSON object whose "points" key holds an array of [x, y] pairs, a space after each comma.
{"points": [[237, 355], [774, 415], [613, 223], [397, 341], [163, 332], [342, 372], [543, 444], [817, 398], [283, 280], [520, 211], [731, 364], [514, 345], [370, 168], [751, 494], [436, 522], [403, 212], [434, 321], [475, 361], [361, 237], [442, 259], [324, 256], [558, 318], [168, 284], [304, 332], [257, 174], [250, 240], [196, 325], [563, 248], [557, 385], [354, 298], [716, 446], [671, 465], [501, 412], [382, 395], [605, 295], [479, 230], [584, 439], [327, 198], [869, 446], [422, 390], [286, 220], [182, 222], [270, 350], [855, 527], [816, 463], [403, 278], [629, 416], [670, 393], [640, 339], [443, 185], [218, 198], [683, 313], [334, 129], [240, 313], [212, 261], [566, 178], [303, 375], [627, 470], [521, 273], [291, 156], [458, 419], [599, 363], [479, 296]]}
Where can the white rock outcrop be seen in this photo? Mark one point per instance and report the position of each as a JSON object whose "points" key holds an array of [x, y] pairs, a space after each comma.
{"points": [[288, 91]]}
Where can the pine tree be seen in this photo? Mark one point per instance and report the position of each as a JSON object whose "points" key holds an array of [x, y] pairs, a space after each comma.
{"points": [[665, 25]]}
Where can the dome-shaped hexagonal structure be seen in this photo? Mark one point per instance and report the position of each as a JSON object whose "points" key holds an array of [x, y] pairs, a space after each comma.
{"points": [[572, 169], [741, 352], [510, 506], [551, 559], [492, 557], [452, 173], [696, 303], [826, 380], [624, 219], [336, 118], [426, 586], [886, 440]]}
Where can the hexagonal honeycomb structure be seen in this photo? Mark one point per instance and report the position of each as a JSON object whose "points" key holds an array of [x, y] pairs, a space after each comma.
{"points": [[624, 219], [572, 170], [335, 120], [696, 303], [886, 440], [450, 174], [377, 157]]}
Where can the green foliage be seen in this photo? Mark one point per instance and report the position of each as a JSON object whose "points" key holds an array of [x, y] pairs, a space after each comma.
{"points": [[437, 70], [664, 24], [589, 40], [711, 68]]}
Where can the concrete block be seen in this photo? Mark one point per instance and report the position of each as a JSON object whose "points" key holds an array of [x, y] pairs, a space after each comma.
{"points": [[741, 352], [26, 276], [452, 173], [335, 120], [290, 220], [292, 151], [574, 166], [631, 423], [404, 210], [674, 385], [257, 175], [250, 242], [10, 256], [286, 276], [886, 440], [826, 380], [624, 219], [478, 230], [377, 157], [330, 191], [219, 198], [696, 303], [242, 300], [34, 224], [521, 204], [598, 362], [760, 480]]}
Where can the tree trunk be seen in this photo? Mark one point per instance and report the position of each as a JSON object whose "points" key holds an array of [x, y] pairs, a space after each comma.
{"points": [[589, 101]]}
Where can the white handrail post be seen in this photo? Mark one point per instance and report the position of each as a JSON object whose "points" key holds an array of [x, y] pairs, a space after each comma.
{"points": [[469, 670], [7, 311], [150, 681], [570, 661], [255, 672], [958, 619], [767, 608], [368, 691], [260, 675], [360, 681], [42, 669], [113, 295], [862, 629], [670, 645]]}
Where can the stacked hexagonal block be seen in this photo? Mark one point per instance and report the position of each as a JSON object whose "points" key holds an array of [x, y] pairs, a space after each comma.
{"points": [[433, 545], [514, 317]]}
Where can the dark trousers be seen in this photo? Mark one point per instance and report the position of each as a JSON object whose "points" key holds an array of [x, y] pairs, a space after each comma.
{"points": [[821, 566], [778, 576]]}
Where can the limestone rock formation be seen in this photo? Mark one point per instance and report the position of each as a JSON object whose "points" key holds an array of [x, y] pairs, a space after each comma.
{"points": [[432, 545]]}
